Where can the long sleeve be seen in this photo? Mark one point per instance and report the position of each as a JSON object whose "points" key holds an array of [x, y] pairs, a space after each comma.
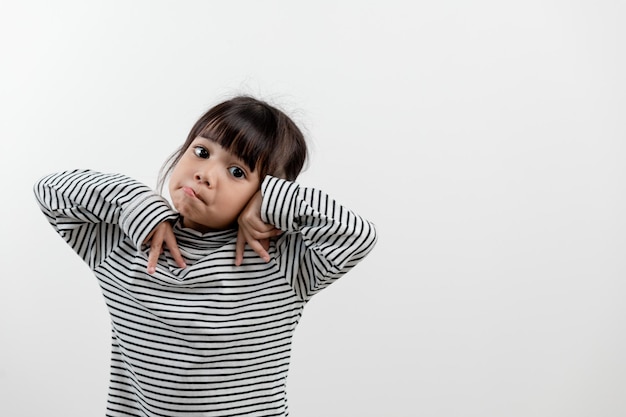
{"points": [[323, 239], [93, 211]]}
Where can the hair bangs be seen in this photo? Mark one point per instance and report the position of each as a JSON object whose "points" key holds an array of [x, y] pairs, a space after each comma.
{"points": [[242, 140]]}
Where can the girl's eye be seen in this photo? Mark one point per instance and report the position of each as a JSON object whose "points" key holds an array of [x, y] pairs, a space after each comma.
{"points": [[237, 172], [201, 152]]}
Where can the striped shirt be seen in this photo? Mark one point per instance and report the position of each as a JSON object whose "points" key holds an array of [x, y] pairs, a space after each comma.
{"points": [[212, 339]]}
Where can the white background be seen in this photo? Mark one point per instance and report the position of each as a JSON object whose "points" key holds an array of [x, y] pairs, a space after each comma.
{"points": [[486, 139]]}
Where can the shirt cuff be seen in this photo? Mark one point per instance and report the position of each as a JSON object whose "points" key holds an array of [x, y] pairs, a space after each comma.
{"points": [[279, 206], [142, 215]]}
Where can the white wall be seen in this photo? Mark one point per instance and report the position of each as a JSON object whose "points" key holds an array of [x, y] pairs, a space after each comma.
{"points": [[486, 140]]}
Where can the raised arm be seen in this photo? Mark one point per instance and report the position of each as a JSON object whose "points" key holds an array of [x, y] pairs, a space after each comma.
{"points": [[91, 210], [323, 239]]}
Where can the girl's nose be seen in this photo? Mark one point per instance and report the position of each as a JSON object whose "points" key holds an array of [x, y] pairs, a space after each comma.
{"points": [[205, 176]]}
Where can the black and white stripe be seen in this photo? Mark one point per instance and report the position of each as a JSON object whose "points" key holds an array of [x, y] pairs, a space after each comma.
{"points": [[212, 339]]}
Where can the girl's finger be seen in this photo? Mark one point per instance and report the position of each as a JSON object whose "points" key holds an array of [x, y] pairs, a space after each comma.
{"points": [[170, 241], [240, 247], [265, 234], [260, 250], [264, 227], [153, 257]]}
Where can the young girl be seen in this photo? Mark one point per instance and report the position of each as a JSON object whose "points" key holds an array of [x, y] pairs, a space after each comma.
{"points": [[204, 300]]}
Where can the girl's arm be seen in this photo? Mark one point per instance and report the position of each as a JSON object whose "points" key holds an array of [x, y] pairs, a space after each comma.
{"points": [[322, 239], [92, 211]]}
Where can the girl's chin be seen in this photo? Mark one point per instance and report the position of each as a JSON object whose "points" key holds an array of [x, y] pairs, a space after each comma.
{"points": [[193, 220]]}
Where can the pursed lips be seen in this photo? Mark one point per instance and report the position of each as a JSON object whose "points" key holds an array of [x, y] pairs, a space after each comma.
{"points": [[191, 193]]}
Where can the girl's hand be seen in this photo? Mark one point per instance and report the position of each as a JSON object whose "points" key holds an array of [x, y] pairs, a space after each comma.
{"points": [[254, 231], [163, 234]]}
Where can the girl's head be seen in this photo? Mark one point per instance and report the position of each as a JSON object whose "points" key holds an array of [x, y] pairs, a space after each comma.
{"points": [[262, 136], [228, 152]]}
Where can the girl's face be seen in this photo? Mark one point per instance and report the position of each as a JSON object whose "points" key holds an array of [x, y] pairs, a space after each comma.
{"points": [[210, 186]]}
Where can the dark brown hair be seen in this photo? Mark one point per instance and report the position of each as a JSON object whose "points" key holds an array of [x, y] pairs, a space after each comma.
{"points": [[261, 135]]}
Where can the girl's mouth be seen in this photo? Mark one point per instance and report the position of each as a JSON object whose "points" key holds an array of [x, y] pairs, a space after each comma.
{"points": [[189, 191]]}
